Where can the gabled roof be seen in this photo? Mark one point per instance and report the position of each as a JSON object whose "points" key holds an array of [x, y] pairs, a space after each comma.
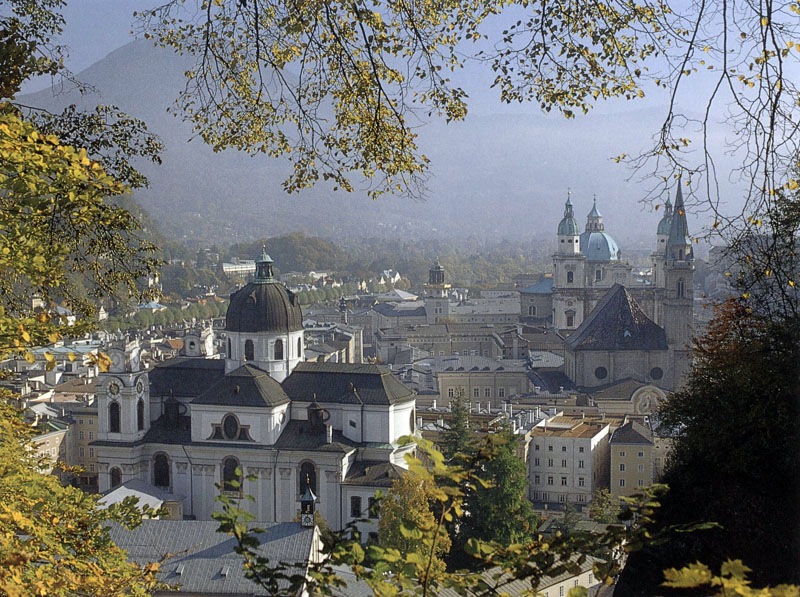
{"points": [[331, 382], [185, 376], [390, 310], [246, 386], [632, 433], [617, 323], [205, 562]]}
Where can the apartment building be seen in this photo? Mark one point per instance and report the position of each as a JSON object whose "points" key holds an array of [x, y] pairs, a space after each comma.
{"points": [[632, 459], [568, 459]]}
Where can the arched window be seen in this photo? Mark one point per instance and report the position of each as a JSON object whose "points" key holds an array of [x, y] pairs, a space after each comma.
{"points": [[299, 347], [680, 288], [278, 349], [116, 477], [249, 351], [140, 414], [113, 417], [160, 470], [570, 277], [229, 348], [532, 310], [229, 476], [307, 477]]}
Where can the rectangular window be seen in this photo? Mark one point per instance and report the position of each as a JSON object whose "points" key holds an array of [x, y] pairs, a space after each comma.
{"points": [[487, 393], [582, 498], [80, 421], [355, 506], [640, 468], [549, 462], [622, 467], [81, 452], [563, 448], [91, 435], [580, 449], [549, 448], [641, 483], [537, 479], [91, 468], [622, 482], [80, 434], [622, 454], [371, 507], [570, 320], [581, 482], [580, 464], [598, 275], [536, 462], [537, 447], [563, 480], [91, 452], [562, 497], [352, 423], [549, 480], [501, 392], [476, 393], [564, 463], [451, 393], [641, 454], [91, 421]]}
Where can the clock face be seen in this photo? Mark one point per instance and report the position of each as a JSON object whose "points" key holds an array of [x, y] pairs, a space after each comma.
{"points": [[307, 520], [113, 388], [139, 387]]}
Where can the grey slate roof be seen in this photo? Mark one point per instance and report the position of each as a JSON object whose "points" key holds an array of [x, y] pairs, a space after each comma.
{"points": [[203, 554], [264, 307], [373, 473], [146, 493], [185, 376], [543, 287], [300, 435], [617, 323], [246, 386], [632, 433], [334, 382], [389, 310]]}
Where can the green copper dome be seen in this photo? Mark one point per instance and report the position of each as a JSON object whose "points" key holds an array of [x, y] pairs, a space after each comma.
{"points": [[568, 226], [666, 221]]}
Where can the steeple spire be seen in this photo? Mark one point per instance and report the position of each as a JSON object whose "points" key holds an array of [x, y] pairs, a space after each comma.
{"points": [[679, 245]]}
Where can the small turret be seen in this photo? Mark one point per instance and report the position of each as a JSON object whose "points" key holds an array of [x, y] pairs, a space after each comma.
{"points": [[568, 231]]}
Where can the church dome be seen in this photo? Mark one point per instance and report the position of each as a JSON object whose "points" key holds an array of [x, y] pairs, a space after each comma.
{"points": [[568, 226], [264, 305], [666, 222], [599, 246]]}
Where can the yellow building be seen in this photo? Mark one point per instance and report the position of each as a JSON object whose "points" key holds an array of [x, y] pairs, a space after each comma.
{"points": [[632, 459], [84, 432]]}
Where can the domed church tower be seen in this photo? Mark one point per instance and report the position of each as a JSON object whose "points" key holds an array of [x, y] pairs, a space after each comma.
{"points": [[264, 325], [662, 235]]}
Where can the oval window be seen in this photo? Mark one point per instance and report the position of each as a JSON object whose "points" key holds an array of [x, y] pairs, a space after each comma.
{"points": [[230, 427], [601, 373], [656, 373]]}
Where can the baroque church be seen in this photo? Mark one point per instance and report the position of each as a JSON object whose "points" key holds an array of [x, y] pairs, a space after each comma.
{"points": [[618, 326], [289, 426]]}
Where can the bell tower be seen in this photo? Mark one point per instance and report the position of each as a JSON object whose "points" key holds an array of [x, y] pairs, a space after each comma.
{"points": [[437, 302], [123, 403], [568, 272], [679, 288]]}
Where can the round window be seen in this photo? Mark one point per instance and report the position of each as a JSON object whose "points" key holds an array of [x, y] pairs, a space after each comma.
{"points": [[656, 373], [601, 373], [230, 427]]}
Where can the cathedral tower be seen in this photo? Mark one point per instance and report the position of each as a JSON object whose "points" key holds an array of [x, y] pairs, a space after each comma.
{"points": [[568, 273], [264, 325], [662, 235]]}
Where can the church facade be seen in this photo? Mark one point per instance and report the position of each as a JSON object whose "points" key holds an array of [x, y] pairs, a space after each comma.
{"points": [[260, 422]]}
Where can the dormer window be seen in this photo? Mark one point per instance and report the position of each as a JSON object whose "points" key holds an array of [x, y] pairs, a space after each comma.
{"points": [[230, 429]]}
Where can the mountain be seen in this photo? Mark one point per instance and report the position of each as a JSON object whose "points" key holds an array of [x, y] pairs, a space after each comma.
{"points": [[493, 176]]}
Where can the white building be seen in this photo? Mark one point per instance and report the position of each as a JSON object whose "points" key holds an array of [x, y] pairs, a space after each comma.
{"points": [[193, 426], [568, 460]]}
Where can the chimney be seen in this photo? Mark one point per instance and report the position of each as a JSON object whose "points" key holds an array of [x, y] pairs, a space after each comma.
{"points": [[510, 410], [583, 415], [328, 434], [505, 407], [478, 407], [530, 416], [433, 404]]}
